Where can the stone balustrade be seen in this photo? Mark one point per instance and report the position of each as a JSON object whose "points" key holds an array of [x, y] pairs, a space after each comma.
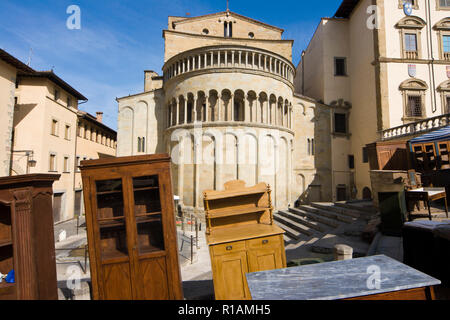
{"points": [[447, 56], [229, 57], [415, 128]]}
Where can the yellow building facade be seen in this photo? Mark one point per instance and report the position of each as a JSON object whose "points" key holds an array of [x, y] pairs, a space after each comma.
{"points": [[386, 70], [42, 131]]}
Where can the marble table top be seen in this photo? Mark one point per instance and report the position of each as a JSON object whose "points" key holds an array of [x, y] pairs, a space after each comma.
{"points": [[337, 280], [430, 191]]}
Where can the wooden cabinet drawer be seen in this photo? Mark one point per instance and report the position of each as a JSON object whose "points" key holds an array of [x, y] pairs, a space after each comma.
{"points": [[228, 248], [259, 243]]}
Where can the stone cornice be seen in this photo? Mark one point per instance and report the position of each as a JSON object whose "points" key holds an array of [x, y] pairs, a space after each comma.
{"points": [[154, 91], [227, 124], [413, 61], [194, 73], [222, 38], [207, 49]]}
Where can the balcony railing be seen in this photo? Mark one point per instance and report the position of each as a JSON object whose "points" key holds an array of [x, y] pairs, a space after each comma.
{"points": [[447, 56], [228, 57], [411, 55], [415, 128]]}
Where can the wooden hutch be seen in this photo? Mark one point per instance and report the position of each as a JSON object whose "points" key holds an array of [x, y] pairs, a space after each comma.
{"points": [[27, 243], [241, 236], [131, 228], [388, 155]]}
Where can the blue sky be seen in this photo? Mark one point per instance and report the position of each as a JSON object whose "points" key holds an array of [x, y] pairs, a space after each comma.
{"points": [[118, 40]]}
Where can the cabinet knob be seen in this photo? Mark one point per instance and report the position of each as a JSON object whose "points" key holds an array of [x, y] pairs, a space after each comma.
{"points": [[265, 241], [230, 248]]}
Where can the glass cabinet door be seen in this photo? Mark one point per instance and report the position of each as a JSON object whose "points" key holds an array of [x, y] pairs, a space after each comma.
{"points": [[111, 220], [147, 213]]}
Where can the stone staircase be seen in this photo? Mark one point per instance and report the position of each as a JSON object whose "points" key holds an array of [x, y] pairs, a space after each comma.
{"points": [[314, 229]]}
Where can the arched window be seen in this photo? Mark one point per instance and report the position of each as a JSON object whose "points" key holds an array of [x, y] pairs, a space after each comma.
{"points": [[410, 34], [443, 31], [444, 90], [413, 91], [228, 29], [141, 144], [189, 112]]}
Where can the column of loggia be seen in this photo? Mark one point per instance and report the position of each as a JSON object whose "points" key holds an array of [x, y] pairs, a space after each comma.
{"points": [[206, 110], [169, 114], [255, 108], [246, 108], [290, 116], [174, 114]]}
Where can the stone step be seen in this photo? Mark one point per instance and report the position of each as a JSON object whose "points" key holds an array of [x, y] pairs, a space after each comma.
{"points": [[302, 243], [303, 220], [293, 225], [366, 209], [287, 240], [327, 213], [290, 233], [315, 217], [328, 206]]}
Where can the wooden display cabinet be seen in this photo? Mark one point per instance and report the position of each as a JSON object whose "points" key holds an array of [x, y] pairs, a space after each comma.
{"points": [[130, 221], [27, 238], [241, 236]]}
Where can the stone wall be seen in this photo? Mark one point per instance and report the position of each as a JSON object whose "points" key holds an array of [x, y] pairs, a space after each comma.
{"points": [[177, 42], [7, 92], [214, 26]]}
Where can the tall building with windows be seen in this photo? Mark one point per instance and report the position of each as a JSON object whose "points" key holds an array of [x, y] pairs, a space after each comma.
{"points": [[43, 131], [95, 140], [225, 108], [386, 69]]}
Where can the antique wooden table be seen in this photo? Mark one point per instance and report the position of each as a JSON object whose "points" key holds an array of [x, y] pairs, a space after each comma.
{"points": [[427, 195], [354, 279]]}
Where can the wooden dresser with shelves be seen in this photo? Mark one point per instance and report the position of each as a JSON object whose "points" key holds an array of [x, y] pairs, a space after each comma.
{"points": [[241, 237], [131, 229], [27, 243]]}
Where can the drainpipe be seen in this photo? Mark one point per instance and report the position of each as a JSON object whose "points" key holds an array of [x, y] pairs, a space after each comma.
{"points": [[433, 81]]}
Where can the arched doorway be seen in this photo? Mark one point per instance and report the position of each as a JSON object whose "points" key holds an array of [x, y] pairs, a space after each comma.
{"points": [[367, 194]]}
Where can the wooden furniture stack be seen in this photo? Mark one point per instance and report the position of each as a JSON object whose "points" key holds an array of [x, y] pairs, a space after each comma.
{"points": [[388, 155], [27, 243], [241, 236], [131, 228]]}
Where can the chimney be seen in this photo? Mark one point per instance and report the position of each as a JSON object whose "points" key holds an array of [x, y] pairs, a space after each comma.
{"points": [[99, 116]]}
